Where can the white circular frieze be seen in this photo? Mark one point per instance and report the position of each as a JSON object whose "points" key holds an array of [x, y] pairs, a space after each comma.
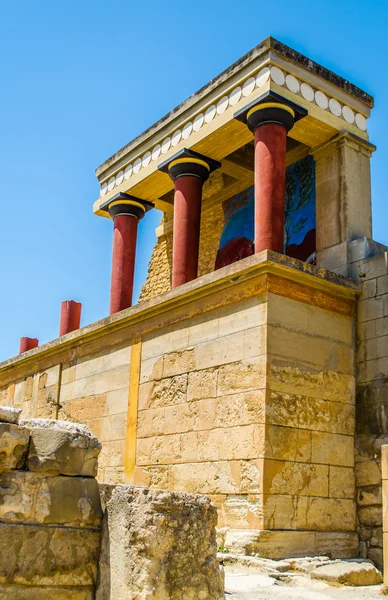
{"points": [[222, 105], [166, 145], [137, 165], [128, 172], [307, 92], [111, 183], [176, 137], [210, 113], [277, 75], [104, 189], [262, 77], [145, 161], [321, 100], [187, 129], [248, 86], [335, 107], [235, 95], [348, 114], [119, 178], [156, 152], [198, 122], [361, 121], [292, 83]]}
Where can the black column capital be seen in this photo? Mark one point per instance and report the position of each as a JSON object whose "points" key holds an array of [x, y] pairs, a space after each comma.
{"points": [[125, 204], [188, 162], [270, 108]]}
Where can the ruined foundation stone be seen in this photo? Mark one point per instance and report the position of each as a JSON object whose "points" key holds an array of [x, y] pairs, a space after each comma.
{"points": [[60, 447], [158, 545], [49, 525]]}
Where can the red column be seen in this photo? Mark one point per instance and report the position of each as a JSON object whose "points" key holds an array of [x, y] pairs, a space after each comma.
{"points": [[70, 316], [123, 262], [27, 343], [187, 222], [270, 173]]}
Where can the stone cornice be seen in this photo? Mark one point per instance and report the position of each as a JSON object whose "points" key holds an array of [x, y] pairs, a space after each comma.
{"points": [[251, 276], [271, 65]]}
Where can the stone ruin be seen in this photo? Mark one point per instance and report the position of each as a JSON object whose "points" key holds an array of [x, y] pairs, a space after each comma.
{"points": [[62, 537]]}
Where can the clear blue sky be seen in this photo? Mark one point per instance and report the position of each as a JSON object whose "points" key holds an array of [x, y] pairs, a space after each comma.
{"points": [[81, 78]]}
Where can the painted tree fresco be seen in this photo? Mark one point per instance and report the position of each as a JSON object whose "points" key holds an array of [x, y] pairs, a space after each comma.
{"points": [[237, 238]]}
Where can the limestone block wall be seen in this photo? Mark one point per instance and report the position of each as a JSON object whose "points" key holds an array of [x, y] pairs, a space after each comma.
{"points": [[372, 399], [92, 390], [50, 515], [384, 475], [254, 404]]}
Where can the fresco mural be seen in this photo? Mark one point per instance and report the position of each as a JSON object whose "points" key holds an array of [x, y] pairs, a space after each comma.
{"points": [[237, 238]]}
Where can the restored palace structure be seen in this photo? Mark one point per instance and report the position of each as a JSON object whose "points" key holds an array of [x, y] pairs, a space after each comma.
{"points": [[254, 367]]}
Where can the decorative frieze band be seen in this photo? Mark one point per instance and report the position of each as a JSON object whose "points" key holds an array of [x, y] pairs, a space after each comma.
{"points": [[258, 80]]}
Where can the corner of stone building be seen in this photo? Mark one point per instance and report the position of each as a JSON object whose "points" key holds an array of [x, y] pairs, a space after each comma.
{"points": [[369, 265]]}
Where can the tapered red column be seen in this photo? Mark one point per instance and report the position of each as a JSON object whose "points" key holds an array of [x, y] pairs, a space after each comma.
{"points": [[187, 223], [126, 212], [123, 262], [270, 176], [189, 170], [270, 123], [270, 119], [70, 316], [27, 343]]}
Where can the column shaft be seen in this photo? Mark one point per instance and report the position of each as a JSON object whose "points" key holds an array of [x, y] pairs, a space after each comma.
{"points": [[27, 343], [187, 222], [123, 262], [70, 316], [270, 173]]}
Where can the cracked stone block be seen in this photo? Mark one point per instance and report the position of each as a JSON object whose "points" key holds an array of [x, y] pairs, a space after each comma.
{"points": [[158, 543], [13, 446], [9, 414], [62, 447]]}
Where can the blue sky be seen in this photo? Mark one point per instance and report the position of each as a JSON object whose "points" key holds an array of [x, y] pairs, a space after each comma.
{"points": [[81, 78]]}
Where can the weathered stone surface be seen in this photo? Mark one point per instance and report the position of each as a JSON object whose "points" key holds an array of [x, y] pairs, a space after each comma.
{"points": [[38, 555], [283, 544], [9, 414], [24, 592], [61, 447], [33, 498], [353, 573], [13, 446], [158, 544]]}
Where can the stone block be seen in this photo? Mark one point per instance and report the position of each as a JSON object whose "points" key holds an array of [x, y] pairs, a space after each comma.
{"points": [[240, 409], [370, 516], [295, 479], [112, 454], [179, 362], [33, 498], [241, 376], [286, 443], [202, 384], [226, 349], [369, 496], [61, 447], [332, 449], [45, 556], [376, 556], [160, 541], [368, 473], [222, 477], [341, 482], [283, 544], [326, 514], [26, 592], [9, 414], [324, 384], [13, 446], [355, 573], [164, 392]]}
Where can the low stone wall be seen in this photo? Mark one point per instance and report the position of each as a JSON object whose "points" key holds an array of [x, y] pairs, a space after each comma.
{"points": [[158, 544], [50, 510], [155, 544]]}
